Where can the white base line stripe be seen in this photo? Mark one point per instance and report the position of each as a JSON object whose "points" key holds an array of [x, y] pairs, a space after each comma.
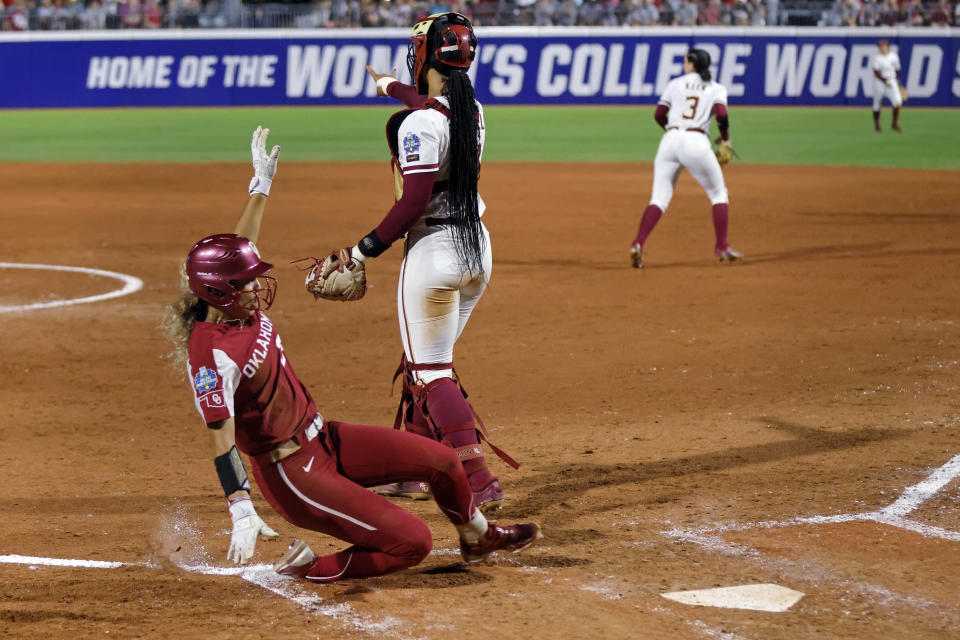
{"points": [[261, 575], [131, 284], [59, 562]]}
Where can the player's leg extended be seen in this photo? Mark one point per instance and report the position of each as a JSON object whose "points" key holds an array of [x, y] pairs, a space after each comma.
{"points": [[431, 308], [700, 161], [307, 490], [893, 94], [666, 170], [373, 455], [878, 90]]}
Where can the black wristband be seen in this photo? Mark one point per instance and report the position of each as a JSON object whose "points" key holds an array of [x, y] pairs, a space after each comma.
{"points": [[233, 477], [723, 123], [371, 245]]}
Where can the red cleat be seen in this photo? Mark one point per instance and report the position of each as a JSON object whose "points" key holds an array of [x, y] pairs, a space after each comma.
{"points": [[510, 538], [489, 499]]}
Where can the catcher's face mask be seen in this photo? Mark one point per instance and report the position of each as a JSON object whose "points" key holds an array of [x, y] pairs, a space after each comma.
{"points": [[445, 41]]}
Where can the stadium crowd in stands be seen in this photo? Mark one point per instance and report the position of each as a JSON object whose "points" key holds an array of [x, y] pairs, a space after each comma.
{"points": [[23, 15]]}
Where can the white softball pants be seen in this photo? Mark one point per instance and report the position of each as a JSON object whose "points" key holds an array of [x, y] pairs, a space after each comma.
{"points": [[690, 149], [882, 90], [435, 297]]}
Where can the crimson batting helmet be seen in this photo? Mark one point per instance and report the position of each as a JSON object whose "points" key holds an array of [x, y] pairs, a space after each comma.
{"points": [[217, 265], [444, 41]]}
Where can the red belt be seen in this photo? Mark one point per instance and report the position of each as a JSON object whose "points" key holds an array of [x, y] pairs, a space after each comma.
{"points": [[679, 129]]}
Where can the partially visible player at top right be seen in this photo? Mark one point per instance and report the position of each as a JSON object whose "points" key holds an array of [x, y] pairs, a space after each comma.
{"points": [[684, 111], [886, 83]]}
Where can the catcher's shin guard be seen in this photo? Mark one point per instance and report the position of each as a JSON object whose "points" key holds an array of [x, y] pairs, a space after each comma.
{"points": [[440, 410], [453, 420], [410, 413], [452, 417]]}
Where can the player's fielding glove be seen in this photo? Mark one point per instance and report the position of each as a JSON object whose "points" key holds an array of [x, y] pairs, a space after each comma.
{"points": [[903, 93], [724, 151], [340, 276], [247, 525]]}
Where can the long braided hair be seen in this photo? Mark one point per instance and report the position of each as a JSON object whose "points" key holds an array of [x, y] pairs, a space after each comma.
{"points": [[468, 238]]}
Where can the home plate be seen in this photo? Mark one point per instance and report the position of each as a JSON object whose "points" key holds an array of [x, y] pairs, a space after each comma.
{"points": [[756, 597]]}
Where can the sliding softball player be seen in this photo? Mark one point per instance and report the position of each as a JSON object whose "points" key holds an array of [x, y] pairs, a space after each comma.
{"points": [[315, 473]]}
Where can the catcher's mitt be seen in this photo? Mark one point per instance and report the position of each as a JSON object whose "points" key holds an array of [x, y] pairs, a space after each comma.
{"points": [[724, 152], [903, 93], [337, 277]]}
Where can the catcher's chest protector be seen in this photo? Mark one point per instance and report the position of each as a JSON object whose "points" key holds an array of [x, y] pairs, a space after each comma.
{"points": [[393, 130]]}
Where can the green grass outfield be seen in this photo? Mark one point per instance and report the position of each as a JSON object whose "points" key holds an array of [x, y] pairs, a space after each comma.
{"points": [[761, 135]]}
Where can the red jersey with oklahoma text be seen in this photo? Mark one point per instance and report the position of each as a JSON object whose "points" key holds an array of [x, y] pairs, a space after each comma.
{"points": [[240, 371]]}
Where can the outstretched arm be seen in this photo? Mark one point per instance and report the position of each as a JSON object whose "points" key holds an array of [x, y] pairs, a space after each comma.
{"points": [[388, 85], [264, 170], [247, 525]]}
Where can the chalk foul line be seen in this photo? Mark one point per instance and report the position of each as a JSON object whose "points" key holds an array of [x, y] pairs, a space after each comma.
{"points": [[131, 284], [892, 515], [261, 575]]}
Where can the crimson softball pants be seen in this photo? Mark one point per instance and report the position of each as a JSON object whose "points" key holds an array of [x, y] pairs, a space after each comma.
{"points": [[321, 487]]}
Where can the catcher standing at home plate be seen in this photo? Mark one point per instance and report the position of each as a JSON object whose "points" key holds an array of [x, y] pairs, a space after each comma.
{"points": [[312, 471], [684, 111], [436, 146]]}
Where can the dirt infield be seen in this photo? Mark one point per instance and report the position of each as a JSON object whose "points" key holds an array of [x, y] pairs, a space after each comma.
{"points": [[686, 426]]}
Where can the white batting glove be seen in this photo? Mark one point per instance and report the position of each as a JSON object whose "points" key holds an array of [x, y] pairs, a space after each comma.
{"points": [[264, 166], [247, 525]]}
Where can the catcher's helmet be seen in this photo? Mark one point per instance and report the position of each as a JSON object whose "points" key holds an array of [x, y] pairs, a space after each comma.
{"points": [[217, 265], [444, 41]]}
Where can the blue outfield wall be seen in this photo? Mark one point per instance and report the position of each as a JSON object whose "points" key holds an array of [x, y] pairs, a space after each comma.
{"points": [[515, 65]]}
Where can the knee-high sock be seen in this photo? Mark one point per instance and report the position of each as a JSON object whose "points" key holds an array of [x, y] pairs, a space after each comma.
{"points": [[454, 419], [651, 216], [876, 119], [721, 216], [896, 116]]}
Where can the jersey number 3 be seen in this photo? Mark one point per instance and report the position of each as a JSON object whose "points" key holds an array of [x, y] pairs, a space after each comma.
{"points": [[694, 101]]}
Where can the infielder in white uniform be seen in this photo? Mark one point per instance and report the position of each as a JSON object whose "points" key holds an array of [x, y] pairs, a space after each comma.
{"points": [[436, 147], [684, 111], [886, 83]]}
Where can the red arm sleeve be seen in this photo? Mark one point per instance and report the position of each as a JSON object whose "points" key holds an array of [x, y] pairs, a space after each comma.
{"points": [[660, 115], [878, 75], [406, 93], [417, 189], [723, 121]]}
